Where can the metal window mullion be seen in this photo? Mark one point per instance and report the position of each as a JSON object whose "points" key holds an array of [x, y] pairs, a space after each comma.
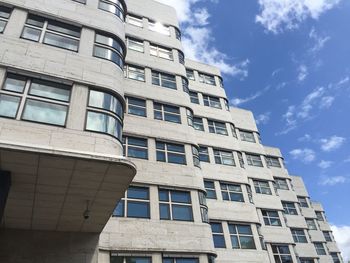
{"points": [[43, 31], [24, 99]]}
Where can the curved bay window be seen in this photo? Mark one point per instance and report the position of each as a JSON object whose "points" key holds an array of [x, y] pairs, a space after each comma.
{"points": [[204, 207], [113, 6], [105, 114], [109, 48]]}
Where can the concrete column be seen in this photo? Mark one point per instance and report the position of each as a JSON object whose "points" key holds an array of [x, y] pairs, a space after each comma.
{"points": [[16, 23], [154, 202], [197, 217], [152, 150], [189, 155], [87, 40], [92, 3], [148, 75], [149, 109], [157, 258], [218, 190], [77, 109], [226, 234], [103, 256]]}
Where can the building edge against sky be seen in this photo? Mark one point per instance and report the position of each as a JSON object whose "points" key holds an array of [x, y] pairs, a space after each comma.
{"points": [[205, 188]]}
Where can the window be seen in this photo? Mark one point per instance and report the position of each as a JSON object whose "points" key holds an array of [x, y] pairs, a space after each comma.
{"points": [[233, 130], [135, 44], [135, 20], [289, 208], [135, 147], [109, 48], [281, 254], [218, 235], [194, 97], [5, 14], [177, 34], [175, 205], [271, 218], [210, 188], [213, 102], [227, 107], [231, 192], [170, 153], [335, 257], [185, 85], [327, 236], [122, 259], [203, 206], [113, 6], [105, 114], [221, 82], [166, 113], [241, 160], [272, 161], [320, 249], [163, 80], [217, 127], [34, 100], [181, 57], [159, 28], [262, 187], [303, 202], [306, 260], [198, 124], [207, 79], [135, 204], [190, 74], [195, 154], [134, 72], [254, 160], [204, 154], [311, 224], [224, 157], [241, 236], [298, 235], [281, 184], [189, 115], [319, 216], [136, 106], [180, 260], [161, 52], [50, 32], [250, 194], [247, 136]]}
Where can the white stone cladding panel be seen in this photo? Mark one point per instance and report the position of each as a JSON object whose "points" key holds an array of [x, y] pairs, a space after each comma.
{"points": [[295, 221], [243, 119], [324, 226], [308, 212], [306, 250], [279, 172], [325, 259], [74, 13], [274, 234], [207, 89], [155, 235], [241, 256], [205, 68], [316, 236], [299, 186], [332, 246], [224, 173], [317, 206], [273, 151], [267, 201], [211, 113], [258, 173], [155, 10], [286, 195], [232, 211], [217, 141], [251, 147]]}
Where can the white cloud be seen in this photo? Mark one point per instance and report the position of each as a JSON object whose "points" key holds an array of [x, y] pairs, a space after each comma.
{"points": [[342, 236], [305, 155], [326, 102], [279, 15], [305, 138], [332, 143], [239, 101], [198, 38], [331, 181], [263, 118], [302, 72], [325, 164], [319, 41]]}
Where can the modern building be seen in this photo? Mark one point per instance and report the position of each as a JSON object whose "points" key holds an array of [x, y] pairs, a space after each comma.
{"points": [[85, 82]]}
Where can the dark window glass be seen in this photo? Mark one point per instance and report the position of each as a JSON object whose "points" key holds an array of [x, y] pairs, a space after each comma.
{"points": [[271, 218], [175, 205], [110, 48], [241, 236], [218, 235], [204, 154], [194, 97], [231, 192], [210, 188], [113, 6], [136, 106], [171, 153], [136, 147]]}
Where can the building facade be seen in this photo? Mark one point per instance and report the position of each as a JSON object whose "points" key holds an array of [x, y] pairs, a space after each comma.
{"points": [[85, 82]]}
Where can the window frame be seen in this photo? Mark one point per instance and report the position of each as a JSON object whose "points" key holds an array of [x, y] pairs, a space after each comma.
{"points": [[157, 51], [161, 113], [158, 80], [280, 254], [4, 19], [221, 157], [134, 18], [321, 251], [133, 69], [247, 136], [212, 102], [190, 74], [299, 235], [228, 192], [209, 186], [260, 188], [287, 208], [269, 218], [217, 127], [207, 79], [114, 4], [303, 201], [128, 100], [218, 234], [272, 161], [239, 236], [136, 42], [281, 183], [127, 145], [311, 224], [254, 162], [171, 204], [194, 97], [168, 152]]}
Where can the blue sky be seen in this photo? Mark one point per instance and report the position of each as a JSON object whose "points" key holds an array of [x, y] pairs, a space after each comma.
{"points": [[289, 62]]}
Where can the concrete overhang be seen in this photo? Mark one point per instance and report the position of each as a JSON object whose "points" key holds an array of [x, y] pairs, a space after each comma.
{"points": [[52, 189]]}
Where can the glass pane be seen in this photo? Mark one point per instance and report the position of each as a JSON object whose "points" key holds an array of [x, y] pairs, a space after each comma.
{"points": [[138, 193], [50, 90], [31, 34], [234, 241], [219, 241], [180, 197], [101, 122], [108, 54], [119, 210], [137, 111], [15, 83], [138, 260], [2, 26], [161, 156], [186, 260], [176, 148], [236, 197], [247, 242], [45, 112], [138, 209], [64, 28], [183, 213], [164, 211], [137, 152], [103, 100], [137, 141], [216, 227], [109, 41], [164, 195], [172, 118], [176, 158], [244, 229], [5, 11], [34, 20], [61, 41], [9, 105]]}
